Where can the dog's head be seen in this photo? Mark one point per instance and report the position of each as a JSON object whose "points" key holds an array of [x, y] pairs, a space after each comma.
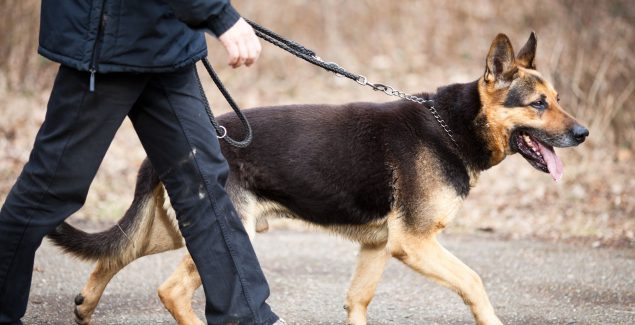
{"points": [[521, 109]]}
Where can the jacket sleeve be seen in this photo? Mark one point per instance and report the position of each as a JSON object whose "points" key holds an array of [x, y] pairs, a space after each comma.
{"points": [[215, 15]]}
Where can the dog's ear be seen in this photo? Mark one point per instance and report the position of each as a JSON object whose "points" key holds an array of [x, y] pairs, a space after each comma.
{"points": [[527, 54], [500, 63]]}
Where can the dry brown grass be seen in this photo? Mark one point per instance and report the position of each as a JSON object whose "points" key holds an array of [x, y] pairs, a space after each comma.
{"points": [[585, 48]]}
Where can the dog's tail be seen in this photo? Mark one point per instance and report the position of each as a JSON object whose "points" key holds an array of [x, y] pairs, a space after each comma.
{"points": [[111, 242]]}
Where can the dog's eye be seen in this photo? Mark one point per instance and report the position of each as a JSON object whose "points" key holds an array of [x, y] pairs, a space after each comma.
{"points": [[558, 98], [539, 104]]}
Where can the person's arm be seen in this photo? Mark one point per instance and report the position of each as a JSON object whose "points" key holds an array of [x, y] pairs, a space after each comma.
{"points": [[223, 21]]}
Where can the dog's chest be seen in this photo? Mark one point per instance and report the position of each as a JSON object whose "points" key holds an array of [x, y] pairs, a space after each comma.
{"points": [[430, 200], [437, 209], [444, 205]]}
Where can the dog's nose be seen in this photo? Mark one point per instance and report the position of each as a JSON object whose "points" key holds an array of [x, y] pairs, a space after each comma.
{"points": [[580, 133]]}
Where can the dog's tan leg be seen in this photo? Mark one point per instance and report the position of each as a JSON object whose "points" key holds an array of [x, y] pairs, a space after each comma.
{"points": [[370, 266], [177, 291], [157, 232], [250, 223], [423, 253], [262, 225], [86, 301]]}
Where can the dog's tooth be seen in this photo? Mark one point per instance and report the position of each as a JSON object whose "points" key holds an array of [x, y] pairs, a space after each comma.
{"points": [[528, 140]]}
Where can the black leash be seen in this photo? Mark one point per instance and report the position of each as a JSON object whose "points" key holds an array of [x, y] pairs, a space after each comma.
{"points": [[309, 56], [300, 51], [221, 131]]}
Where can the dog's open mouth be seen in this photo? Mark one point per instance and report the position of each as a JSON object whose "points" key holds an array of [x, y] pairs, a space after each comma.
{"points": [[540, 155]]}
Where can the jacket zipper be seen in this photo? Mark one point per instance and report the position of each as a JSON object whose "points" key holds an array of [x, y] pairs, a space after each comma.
{"points": [[93, 62]]}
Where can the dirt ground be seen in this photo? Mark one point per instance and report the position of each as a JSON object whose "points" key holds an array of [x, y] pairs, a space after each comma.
{"points": [[529, 282]]}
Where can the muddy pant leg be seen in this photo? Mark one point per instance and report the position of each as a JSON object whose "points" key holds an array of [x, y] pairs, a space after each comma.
{"points": [[182, 147], [68, 149]]}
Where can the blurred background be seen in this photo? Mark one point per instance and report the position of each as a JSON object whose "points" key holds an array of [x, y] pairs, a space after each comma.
{"points": [[584, 47]]}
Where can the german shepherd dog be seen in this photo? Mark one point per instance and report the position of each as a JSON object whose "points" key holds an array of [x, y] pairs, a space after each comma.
{"points": [[385, 175]]}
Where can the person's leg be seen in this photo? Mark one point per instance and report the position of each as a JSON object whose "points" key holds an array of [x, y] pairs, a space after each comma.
{"points": [[183, 148], [68, 149]]}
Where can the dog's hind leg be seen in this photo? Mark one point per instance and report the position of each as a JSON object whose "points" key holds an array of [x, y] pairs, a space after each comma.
{"points": [[423, 253], [87, 300], [177, 291], [370, 266], [155, 231]]}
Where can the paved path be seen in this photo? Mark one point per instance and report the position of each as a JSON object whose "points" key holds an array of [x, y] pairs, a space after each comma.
{"points": [[528, 282]]}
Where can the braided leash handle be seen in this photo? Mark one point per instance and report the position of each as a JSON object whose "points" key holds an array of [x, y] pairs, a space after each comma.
{"points": [[300, 51], [221, 132]]}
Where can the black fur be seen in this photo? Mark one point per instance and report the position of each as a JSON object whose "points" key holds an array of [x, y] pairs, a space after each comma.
{"points": [[527, 53], [106, 243], [500, 59], [304, 157], [79, 299], [460, 105], [337, 164]]}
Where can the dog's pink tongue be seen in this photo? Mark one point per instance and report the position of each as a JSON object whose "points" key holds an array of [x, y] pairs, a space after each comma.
{"points": [[554, 164]]}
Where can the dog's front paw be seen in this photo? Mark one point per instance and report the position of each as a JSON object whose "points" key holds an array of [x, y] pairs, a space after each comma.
{"points": [[81, 316], [356, 315], [489, 320]]}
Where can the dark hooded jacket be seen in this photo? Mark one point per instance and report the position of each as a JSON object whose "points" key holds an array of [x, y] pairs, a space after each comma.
{"points": [[130, 35]]}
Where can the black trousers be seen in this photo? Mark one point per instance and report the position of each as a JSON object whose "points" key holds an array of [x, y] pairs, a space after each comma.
{"points": [[167, 113]]}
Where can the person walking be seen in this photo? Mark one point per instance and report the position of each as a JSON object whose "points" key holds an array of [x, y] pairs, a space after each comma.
{"points": [[135, 59]]}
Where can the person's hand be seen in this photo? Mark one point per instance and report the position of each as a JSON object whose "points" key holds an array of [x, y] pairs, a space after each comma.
{"points": [[241, 43]]}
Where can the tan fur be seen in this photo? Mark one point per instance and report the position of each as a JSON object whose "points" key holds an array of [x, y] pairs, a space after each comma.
{"points": [[423, 253], [164, 234], [92, 291], [436, 203], [370, 266], [177, 291], [368, 234], [444, 208], [441, 203], [158, 232]]}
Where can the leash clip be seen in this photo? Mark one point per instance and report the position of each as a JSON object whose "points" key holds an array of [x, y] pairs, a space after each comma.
{"points": [[388, 90]]}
